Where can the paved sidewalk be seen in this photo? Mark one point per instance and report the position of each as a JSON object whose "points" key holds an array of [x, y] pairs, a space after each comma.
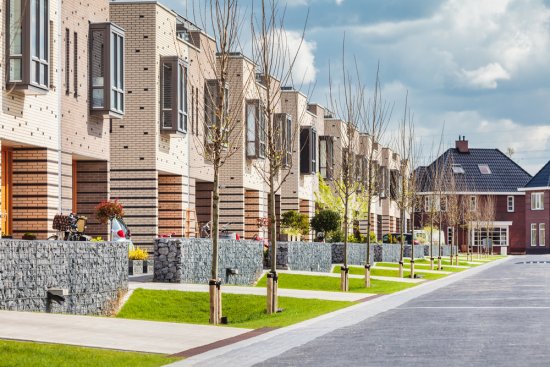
{"points": [[427, 271], [111, 333], [260, 291]]}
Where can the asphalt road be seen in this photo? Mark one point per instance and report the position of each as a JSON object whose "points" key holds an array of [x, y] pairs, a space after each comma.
{"points": [[497, 317]]}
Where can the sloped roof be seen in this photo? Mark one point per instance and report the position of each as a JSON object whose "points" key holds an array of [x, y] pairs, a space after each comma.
{"points": [[542, 178], [506, 175]]}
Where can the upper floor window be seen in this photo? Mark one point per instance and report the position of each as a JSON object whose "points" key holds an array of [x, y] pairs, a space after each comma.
{"points": [[173, 95], [216, 107], [510, 204], [537, 201], [255, 129], [326, 156], [283, 128], [443, 204], [427, 204], [107, 69], [473, 203], [28, 50], [308, 150]]}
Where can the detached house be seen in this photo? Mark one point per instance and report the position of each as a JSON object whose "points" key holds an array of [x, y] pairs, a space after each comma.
{"points": [[485, 180], [537, 212]]}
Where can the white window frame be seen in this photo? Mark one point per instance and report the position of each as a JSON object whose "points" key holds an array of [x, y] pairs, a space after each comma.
{"points": [[450, 236], [473, 203], [542, 234], [533, 234], [537, 201], [510, 204]]}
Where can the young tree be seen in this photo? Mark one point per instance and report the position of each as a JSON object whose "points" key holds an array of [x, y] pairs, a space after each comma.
{"points": [[347, 101], [275, 60], [453, 213], [221, 127], [375, 120]]}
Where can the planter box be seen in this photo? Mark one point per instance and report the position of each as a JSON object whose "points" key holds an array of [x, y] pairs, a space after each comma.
{"points": [[135, 267]]}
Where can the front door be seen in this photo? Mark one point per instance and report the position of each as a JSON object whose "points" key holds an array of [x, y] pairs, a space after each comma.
{"points": [[5, 199]]}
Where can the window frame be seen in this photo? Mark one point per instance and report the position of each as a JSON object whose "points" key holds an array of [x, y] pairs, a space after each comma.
{"points": [[178, 106], [537, 201], [257, 139], [34, 60], [112, 60], [533, 234], [308, 150], [210, 105], [510, 200], [542, 234], [283, 127], [326, 146], [473, 200]]}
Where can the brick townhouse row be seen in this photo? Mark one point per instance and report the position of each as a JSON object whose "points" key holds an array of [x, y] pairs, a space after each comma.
{"points": [[107, 100]]}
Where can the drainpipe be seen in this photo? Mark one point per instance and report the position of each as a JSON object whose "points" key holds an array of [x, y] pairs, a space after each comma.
{"points": [[59, 112]]}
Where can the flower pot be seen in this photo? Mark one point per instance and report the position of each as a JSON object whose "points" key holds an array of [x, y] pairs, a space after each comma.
{"points": [[135, 267]]}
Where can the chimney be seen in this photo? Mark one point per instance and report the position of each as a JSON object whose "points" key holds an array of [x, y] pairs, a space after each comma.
{"points": [[462, 145]]}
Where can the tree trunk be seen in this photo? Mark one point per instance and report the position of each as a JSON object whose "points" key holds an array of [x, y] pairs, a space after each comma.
{"points": [[402, 244], [412, 245], [215, 283], [272, 289], [344, 274], [431, 241], [367, 262], [439, 241]]}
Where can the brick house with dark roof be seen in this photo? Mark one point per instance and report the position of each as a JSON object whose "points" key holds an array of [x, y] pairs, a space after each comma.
{"points": [[537, 212], [481, 178]]}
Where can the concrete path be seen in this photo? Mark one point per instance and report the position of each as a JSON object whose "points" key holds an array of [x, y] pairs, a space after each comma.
{"points": [[111, 333], [260, 291], [416, 270], [353, 276], [484, 316]]}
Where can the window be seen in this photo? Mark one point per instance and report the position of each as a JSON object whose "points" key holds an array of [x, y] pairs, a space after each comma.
{"points": [[473, 203], [173, 98], [283, 127], [28, 51], [213, 119], [450, 236], [395, 184], [255, 129], [457, 169], [487, 237], [510, 204], [107, 69], [484, 169], [542, 234], [443, 204], [67, 60], [427, 204], [533, 234], [308, 150], [326, 156], [537, 201], [75, 67]]}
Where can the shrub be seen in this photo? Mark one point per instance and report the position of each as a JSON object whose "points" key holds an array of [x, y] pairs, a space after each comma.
{"points": [[107, 210], [138, 254], [336, 236], [293, 223], [29, 236], [97, 239], [326, 221]]}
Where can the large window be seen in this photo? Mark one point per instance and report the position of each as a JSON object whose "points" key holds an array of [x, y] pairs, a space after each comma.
{"points": [[533, 234], [308, 150], [473, 203], [487, 237], [326, 156], [542, 234], [173, 95], [510, 204], [107, 69], [283, 127], [28, 47], [216, 127], [537, 201], [255, 129]]}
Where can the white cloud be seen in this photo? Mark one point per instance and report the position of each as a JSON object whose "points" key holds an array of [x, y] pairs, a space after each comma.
{"points": [[304, 70], [486, 76], [339, 2]]}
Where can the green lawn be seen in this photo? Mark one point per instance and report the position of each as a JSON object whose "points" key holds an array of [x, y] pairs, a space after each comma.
{"points": [[420, 267], [246, 311], [24, 354], [444, 261], [322, 283], [359, 270]]}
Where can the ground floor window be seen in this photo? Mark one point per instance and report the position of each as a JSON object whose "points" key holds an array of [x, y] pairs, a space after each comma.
{"points": [[450, 235], [494, 236]]}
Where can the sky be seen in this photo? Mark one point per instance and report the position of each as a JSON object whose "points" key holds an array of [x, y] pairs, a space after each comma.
{"points": [[474, 68]]}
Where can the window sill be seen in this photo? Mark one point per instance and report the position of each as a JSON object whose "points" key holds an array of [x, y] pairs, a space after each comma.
{"points": [[26, 89]]}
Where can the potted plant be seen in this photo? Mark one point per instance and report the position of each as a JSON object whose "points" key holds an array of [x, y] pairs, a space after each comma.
{"points": [[107, 210], [138, 262]]}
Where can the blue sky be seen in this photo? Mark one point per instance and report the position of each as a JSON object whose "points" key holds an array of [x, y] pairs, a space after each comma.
{"points": [[479, 67]]}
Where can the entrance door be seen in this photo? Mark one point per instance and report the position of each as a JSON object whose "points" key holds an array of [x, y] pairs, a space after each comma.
{"points": [[5, 208]]}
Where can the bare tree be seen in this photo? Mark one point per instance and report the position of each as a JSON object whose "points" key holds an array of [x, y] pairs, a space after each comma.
{"points": [[222, 127], [453, 214], [347, 102], [375, 120], [275, 60]]}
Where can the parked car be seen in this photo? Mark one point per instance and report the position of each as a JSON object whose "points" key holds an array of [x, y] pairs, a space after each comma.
{"points": [[397, 236]]}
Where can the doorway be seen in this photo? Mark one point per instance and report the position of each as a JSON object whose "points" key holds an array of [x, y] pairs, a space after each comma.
{"points": [[6, 199]]}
